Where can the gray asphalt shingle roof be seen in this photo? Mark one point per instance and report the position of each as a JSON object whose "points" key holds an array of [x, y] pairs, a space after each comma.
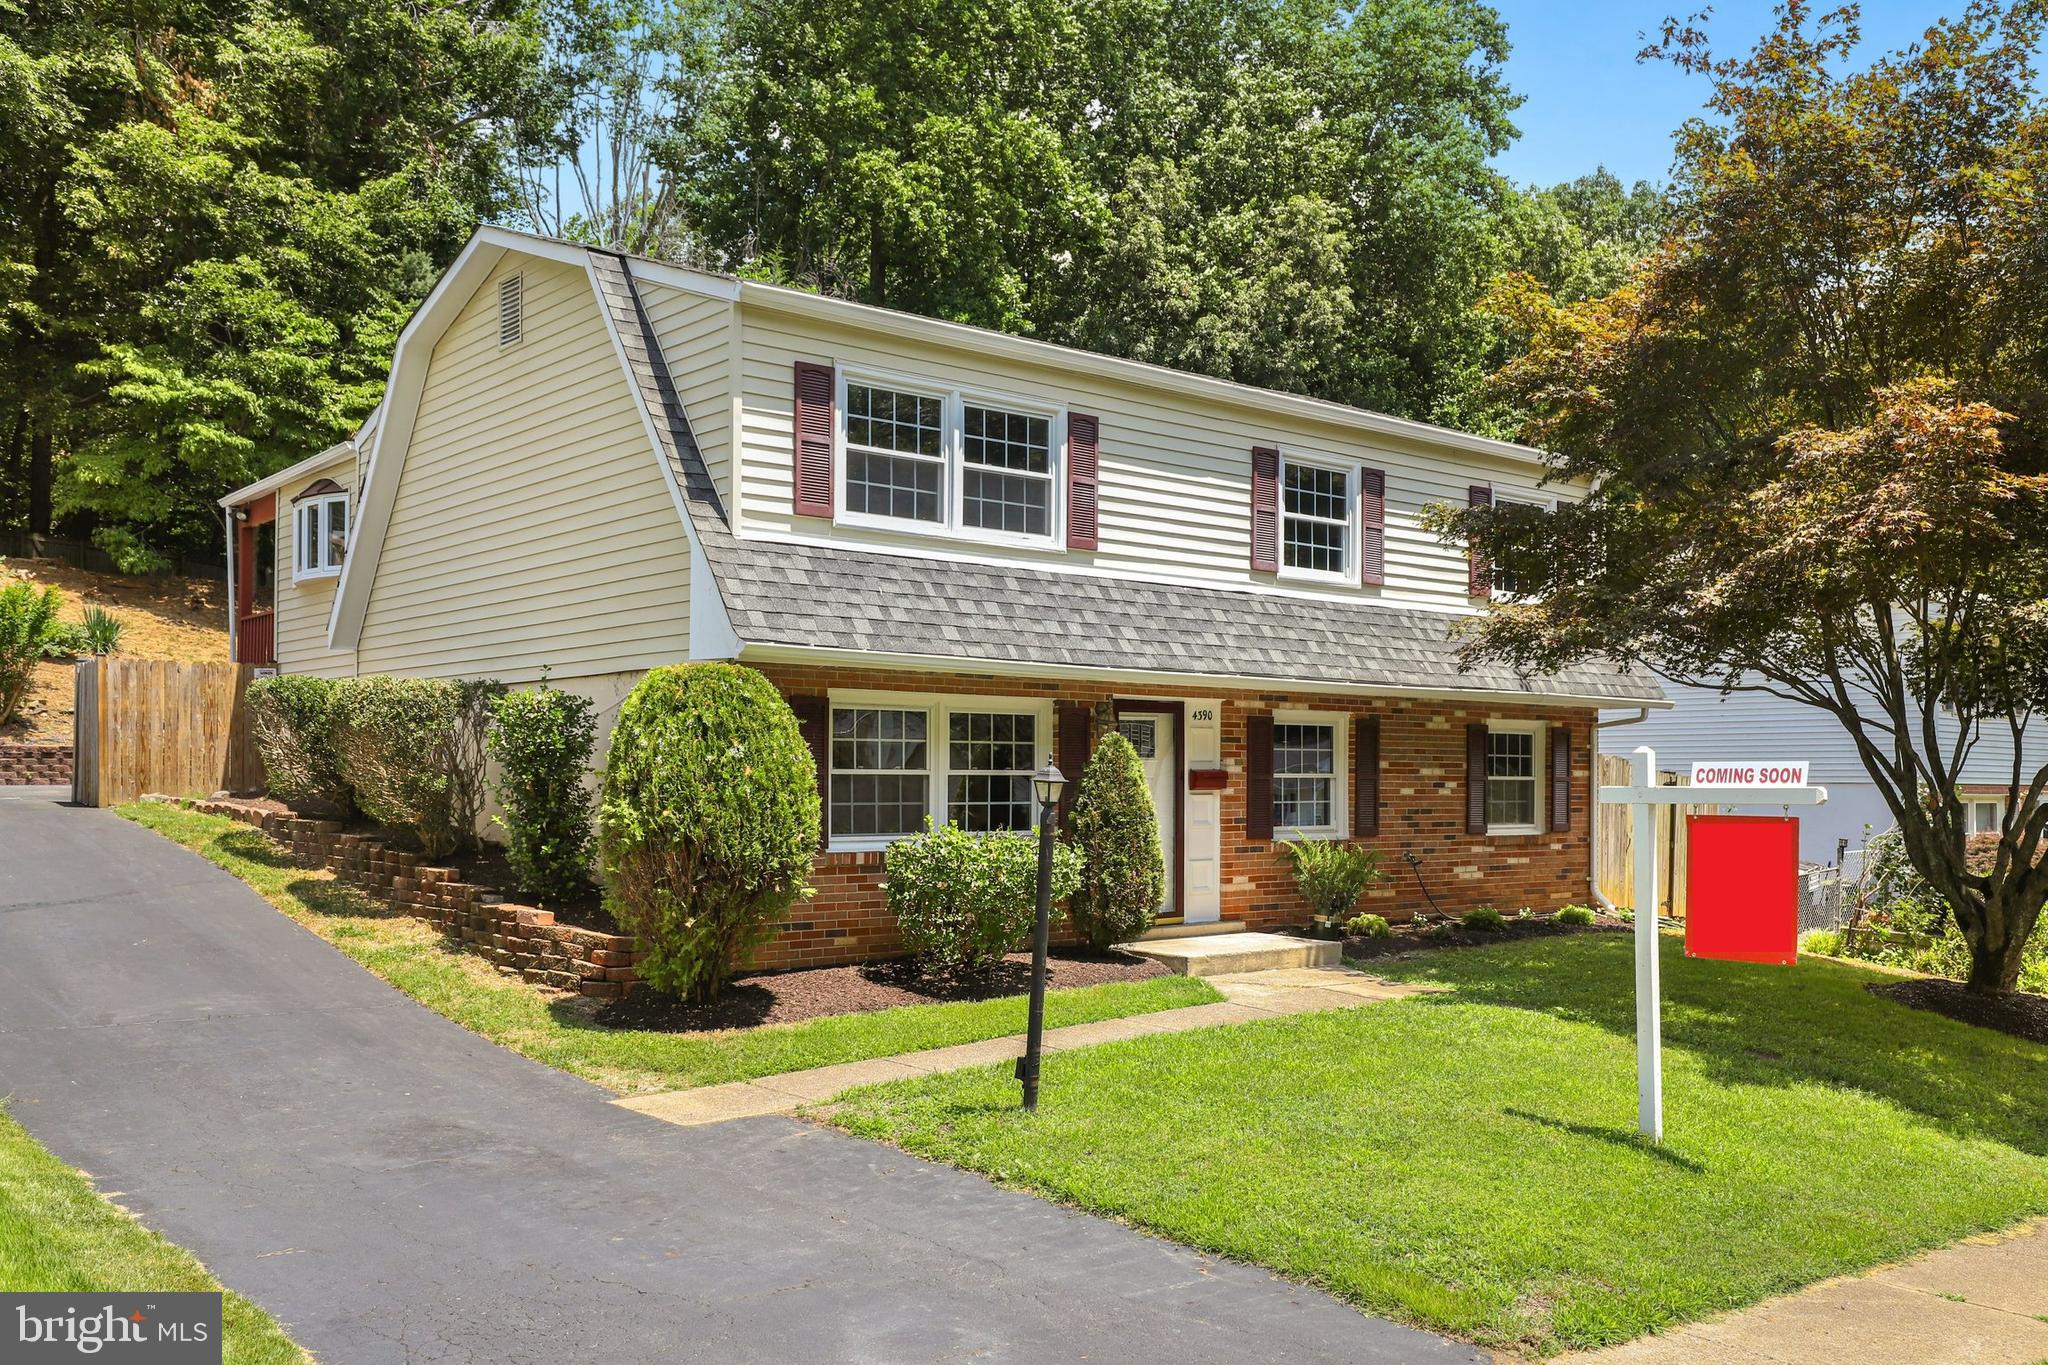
{"points": [[869, 601]]}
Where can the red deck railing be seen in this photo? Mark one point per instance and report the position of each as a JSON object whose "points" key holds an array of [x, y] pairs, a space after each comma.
{"points": [[256, 639]]}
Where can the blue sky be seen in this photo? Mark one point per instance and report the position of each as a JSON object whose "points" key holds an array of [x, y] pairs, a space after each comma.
{"points": [[1589, 102]]}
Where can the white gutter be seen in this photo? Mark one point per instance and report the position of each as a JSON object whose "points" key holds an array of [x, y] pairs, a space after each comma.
{"points": [[1593, 820]]}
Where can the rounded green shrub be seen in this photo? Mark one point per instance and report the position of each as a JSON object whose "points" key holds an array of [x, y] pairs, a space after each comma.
{"points": [[412, 750], [28, 629], [1575, 914], [542, 740], [293, 719], [964, 900], [1369, 925], [1485, 919], [709, 821], [1821, 942], [1123, 873]]}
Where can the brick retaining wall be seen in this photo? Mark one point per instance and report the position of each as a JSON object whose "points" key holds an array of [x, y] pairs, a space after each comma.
{"points": [[520, 939], [35, 765]]}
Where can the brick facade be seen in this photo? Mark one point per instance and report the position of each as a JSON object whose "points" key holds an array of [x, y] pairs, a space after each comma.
{"points": [[35, 765], [1422, 811]]}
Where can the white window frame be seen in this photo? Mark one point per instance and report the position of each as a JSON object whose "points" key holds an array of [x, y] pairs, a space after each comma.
{"points": [[1520, 499], [954, 400], [330, 558], [1970, 804], [1538, 768], [1340, 775], [1352, 472], [939, 709]]}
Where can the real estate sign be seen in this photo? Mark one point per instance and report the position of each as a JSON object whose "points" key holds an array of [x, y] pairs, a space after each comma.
{"points": [[1779, 774]]}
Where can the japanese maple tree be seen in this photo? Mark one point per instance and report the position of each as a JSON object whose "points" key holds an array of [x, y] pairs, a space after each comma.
{"points": [[1814, 421]]}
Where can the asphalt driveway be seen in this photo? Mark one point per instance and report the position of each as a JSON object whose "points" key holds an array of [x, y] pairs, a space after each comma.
{"points": [[394, 1188]]}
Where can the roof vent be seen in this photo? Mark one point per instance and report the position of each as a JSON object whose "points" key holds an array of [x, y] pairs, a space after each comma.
{"points": [[511, 309]]}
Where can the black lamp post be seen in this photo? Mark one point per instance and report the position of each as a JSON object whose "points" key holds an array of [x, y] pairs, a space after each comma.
{"points": [[1047, 782]]}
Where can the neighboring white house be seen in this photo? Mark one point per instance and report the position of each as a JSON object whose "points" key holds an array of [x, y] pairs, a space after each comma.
{"points": [[1704, 726]]}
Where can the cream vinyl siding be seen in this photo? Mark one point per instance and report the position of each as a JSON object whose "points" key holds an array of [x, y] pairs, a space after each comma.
{"points": [[1175, 488], [532, 526], [696, 336], [303, 608]]}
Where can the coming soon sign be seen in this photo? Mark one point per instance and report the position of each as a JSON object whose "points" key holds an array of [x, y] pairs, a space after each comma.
{"points": [[1780, 774]]}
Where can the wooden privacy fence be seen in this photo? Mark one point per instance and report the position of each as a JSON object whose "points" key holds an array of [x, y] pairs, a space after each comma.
{"points": [[1617, 843], [154, 725]]}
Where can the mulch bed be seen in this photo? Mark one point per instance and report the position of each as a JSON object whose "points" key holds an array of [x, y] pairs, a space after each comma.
{"points": [[2021, 1014], [1417, 938], [810, 993]]}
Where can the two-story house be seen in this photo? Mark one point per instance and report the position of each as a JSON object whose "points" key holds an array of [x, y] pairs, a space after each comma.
{"points": [[957, 553]]}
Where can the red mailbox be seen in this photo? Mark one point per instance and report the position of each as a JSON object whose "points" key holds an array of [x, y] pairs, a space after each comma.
{"points": [[1742, 887]]}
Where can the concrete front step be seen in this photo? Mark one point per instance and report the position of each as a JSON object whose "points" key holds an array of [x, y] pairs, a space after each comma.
{"points": [[1221, 954], [1219, 926]]}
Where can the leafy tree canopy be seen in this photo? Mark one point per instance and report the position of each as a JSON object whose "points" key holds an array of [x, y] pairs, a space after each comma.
{"points": [[213, 221], [1815, 418], [1293, 194]]}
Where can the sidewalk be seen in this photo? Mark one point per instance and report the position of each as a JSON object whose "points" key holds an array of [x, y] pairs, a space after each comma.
{"points": [[1984, 1299], [1248, 996]]}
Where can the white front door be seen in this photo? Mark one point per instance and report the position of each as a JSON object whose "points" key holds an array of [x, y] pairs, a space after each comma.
{"points": [[1151, 734]]}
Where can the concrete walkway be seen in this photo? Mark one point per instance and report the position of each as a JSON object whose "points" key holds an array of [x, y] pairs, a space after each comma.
{"points": [[1985, 1299], [1248, 996], [395, 1188]]}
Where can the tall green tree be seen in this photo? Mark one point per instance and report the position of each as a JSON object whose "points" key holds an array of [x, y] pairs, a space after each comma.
{"points": [[1285, 192], [1580, 239], [1814, 422], [213, 220]]}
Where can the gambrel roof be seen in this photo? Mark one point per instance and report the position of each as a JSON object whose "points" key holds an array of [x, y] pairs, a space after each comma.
{"points": [[779, 599]]}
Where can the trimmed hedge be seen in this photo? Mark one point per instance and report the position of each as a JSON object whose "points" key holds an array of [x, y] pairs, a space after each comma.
{"points": [[293, 717], [542, 740], [964, 900], [709, 821], [1123, 874], [412, 750]]}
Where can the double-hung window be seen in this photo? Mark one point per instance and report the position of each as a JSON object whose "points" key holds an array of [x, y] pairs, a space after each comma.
{"points": [[1513, 800], [1308, 792], [319, 536], [950, 461], [1985, 817], [897, 759], [1318, 502], [1506, 582]]}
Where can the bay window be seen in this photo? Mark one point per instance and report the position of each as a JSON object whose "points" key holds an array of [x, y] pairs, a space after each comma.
{"points": [[319, 536]]}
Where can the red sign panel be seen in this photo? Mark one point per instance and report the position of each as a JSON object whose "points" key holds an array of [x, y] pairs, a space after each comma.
{"points": [[1742, 887]]}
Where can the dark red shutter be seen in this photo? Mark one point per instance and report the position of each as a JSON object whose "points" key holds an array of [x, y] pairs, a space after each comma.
{"points": [[1084, 466], [1372, 527], [1265, 509], [1559, 778], [813, 440], [1073, 720], [1258, 777], [1475, 779], [1479, 574], [814, 719], [1365, 775]]}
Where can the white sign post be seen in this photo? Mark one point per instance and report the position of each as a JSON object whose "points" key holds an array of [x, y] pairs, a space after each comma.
{"points": [[1757, 784]]}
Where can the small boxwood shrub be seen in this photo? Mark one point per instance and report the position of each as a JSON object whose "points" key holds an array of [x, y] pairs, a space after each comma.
{"points": [[1369, 925], [542, 740], [1575, 914], [1332, 876], [412, 750], [709, 821], [1123, 872], [1485, 919], [964, 900], [1824, 942], [293, 719]]}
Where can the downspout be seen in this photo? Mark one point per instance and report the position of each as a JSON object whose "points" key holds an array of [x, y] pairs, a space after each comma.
{"points": [[1593, 819]]}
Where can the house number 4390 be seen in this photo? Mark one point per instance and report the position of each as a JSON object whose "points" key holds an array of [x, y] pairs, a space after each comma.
{"points": [[1205, 713]]}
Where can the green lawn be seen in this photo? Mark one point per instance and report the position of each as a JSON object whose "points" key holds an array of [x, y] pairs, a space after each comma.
{"points": [[416, 958], [1468, 1161], [56, 1234]]}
